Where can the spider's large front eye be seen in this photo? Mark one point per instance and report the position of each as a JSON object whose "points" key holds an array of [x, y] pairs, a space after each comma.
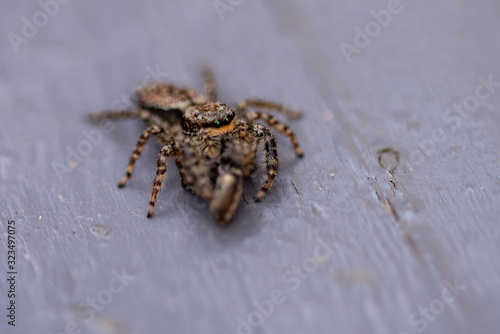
{"points": [[217, 122], [227, 119]]}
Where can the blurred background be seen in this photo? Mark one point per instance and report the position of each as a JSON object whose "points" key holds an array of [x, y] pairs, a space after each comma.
{"points": [[388, 225]]}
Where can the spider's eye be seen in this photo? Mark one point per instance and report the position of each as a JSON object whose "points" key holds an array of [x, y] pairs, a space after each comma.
{"points": [[227, 119], [217, 122]]}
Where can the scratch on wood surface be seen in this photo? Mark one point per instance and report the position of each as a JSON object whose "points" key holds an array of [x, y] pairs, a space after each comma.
{"points": [[389, 159], [392, 184], [388, 206], [294, 187], [244, 199], [391, 209]]}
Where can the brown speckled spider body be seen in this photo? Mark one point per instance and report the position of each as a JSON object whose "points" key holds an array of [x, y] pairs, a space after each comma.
{"points": [[215, 146]]}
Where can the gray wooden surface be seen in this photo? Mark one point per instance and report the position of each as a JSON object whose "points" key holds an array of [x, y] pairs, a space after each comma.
{"points": [[400, 232]]}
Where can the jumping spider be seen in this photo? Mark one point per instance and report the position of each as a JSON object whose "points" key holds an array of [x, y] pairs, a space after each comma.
{"points": [[215, 146]]}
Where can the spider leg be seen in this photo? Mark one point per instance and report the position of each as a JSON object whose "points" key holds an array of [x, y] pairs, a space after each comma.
{"points": [[257, 103], [161, 167], [278, 126], [114, 114], [210, 87], [271, 150], [139, 147], [247, 147], [180, 168]]}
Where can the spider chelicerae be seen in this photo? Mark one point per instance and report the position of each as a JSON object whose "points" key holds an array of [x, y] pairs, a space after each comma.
{"points": [[215, 146]]}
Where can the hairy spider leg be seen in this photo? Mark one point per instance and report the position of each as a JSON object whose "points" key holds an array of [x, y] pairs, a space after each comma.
{"points": [[248, 146], [278, 126], [139, 147], [161, 167], [271, 158]]}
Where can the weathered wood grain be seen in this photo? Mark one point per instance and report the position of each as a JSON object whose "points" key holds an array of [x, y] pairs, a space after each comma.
{"points": [[394, 210]]}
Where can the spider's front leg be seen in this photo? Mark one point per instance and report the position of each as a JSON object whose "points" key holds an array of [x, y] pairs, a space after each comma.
{"points": [[271, 151], [139, 147], [278, 126], [161, 167], [246, 145]]}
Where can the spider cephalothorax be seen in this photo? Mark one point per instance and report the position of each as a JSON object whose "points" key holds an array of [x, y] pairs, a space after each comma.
{"points": [[213, 117], [215, 146]]}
